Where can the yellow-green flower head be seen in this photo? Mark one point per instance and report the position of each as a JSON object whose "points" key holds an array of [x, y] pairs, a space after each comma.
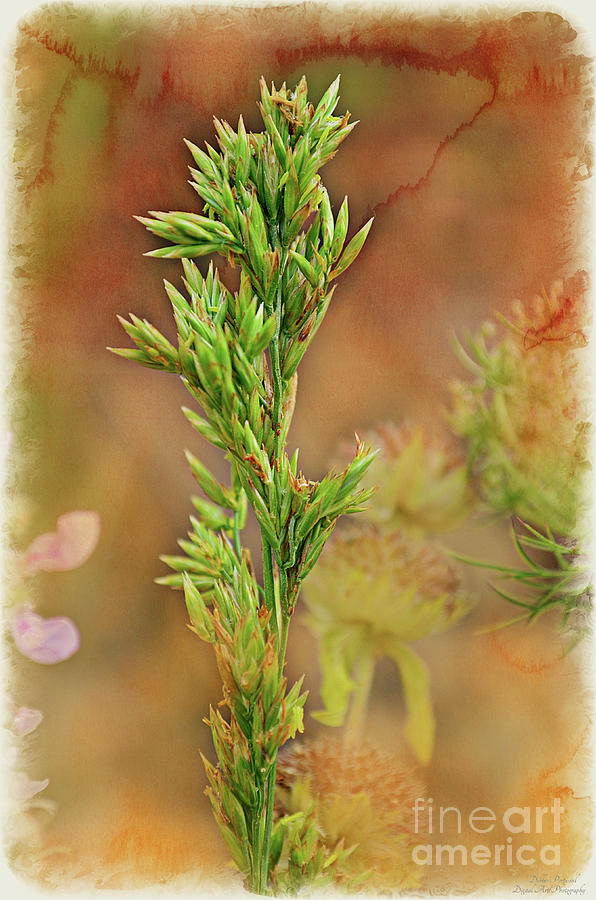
{"points": [[384, 587], [370, 595], [421, 480], [525, 414], [361, 797]]}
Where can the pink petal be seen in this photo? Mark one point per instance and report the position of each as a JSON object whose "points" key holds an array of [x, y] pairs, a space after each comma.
{"points": [[36, 786], [26, 720], [24, 788], [73, 542], [45, 640]]}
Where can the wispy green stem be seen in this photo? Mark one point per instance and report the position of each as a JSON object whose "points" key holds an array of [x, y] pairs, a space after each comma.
{"points": [[262, 834], [363, 678]]}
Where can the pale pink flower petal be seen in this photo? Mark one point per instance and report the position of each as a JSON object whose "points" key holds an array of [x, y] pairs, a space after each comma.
{"points": [[45, 640], [26, 720], [73, 542], [24, 789], [36, 786]]}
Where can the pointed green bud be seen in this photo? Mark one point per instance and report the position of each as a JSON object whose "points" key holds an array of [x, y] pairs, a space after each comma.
{"points": [[204, 428], [352, 250], [197, 611], [305, 267], [211, 514], [340, 230], [212, 488], [263, 338], [328, 101]]}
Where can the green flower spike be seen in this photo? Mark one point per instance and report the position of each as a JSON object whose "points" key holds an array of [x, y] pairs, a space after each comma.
{"points": [[264, 208]]}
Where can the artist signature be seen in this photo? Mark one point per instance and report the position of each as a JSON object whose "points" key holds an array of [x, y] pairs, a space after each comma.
{"points": [[550, 884]]}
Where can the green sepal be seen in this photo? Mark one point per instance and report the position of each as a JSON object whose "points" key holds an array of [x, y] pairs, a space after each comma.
{"points": [[141, 357], [340, 231], [187, 251], [211, 514], [263, 338]]}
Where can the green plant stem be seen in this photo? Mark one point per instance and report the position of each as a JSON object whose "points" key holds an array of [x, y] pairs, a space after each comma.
{"points": [[257, 885], [278, 383], [278, 605], [236, 535], [283, 642], [262, 834], [265, 843], [268, 583], [268, 822], [364, 678]]}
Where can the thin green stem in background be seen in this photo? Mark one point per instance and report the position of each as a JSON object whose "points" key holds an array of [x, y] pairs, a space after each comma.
{"points": [[363, 679]]}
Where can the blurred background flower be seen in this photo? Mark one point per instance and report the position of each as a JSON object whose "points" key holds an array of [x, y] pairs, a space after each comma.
{"points": [[73, 542], [371, 595], [45, 640], [25, 789], [421, 480], [360, 797], [26, 720]]}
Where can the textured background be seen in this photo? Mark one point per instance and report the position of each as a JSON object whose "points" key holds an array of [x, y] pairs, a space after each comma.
{"points": [[471, 152]]}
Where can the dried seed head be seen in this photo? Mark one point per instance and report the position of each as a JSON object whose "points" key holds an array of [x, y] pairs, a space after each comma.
{"points": [[361, 797]]}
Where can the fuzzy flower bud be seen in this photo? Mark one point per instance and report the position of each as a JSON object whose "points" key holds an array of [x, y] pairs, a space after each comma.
{"points": [[421, 481]]}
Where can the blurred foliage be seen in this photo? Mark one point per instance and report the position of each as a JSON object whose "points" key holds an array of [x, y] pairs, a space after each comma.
{"points": [[524, 414]]}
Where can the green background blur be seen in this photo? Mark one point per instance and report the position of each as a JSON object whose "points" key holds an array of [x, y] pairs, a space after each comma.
{"points": [[470, 152]]}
